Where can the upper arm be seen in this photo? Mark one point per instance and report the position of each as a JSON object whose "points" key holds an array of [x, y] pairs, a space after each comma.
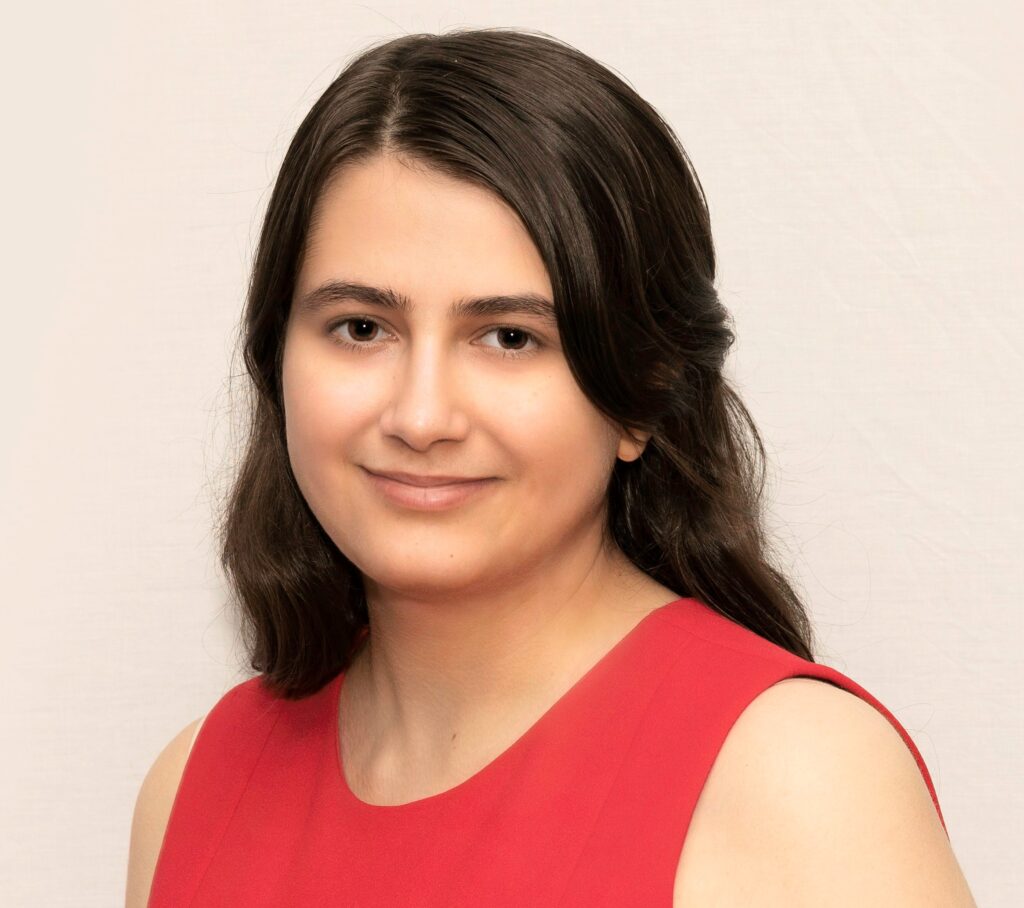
{"points": [[153, 810], [816, 799]]}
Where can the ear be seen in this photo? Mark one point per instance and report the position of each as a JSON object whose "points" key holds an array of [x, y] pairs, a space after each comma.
{"points": [[632, 444]]}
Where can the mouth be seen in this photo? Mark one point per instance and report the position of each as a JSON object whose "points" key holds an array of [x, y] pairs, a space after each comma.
{"points": [[425, 480], [439, 495]]}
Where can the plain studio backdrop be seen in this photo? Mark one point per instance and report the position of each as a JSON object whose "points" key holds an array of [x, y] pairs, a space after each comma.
{"points": [[861, 163]]}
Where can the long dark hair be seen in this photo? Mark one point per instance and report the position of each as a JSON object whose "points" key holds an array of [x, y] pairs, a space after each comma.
{"points": [[615, 209]]}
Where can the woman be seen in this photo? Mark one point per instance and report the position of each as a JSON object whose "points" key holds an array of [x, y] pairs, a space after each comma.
{"points": [[496, 540]]}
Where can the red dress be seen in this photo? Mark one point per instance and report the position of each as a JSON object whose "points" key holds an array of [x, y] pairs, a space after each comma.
{"points": [[589, 807]]}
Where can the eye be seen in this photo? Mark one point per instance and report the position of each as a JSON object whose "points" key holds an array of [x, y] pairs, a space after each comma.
{"points": [[357, 331], [519, 336], [361, 322]]}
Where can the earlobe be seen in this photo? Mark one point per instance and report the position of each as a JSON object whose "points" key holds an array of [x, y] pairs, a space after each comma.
{"points": [[632, 445]]}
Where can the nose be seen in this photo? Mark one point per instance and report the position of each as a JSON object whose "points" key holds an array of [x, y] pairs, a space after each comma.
{"points": [[423, 403]]}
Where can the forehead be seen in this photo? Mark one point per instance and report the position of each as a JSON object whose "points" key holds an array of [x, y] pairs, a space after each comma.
{"points": [[390, 221]]}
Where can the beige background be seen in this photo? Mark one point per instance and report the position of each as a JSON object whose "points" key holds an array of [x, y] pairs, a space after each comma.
{"points": [[861, 162]]}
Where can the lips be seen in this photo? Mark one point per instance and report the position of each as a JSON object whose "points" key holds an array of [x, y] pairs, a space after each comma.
{"points": [[424, 481], [441, 493]]}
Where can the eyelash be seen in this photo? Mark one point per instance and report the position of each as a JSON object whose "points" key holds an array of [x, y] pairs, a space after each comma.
{"points": [[507, 354]]}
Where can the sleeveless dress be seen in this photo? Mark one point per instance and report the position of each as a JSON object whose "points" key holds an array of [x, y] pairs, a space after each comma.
{"points": [[589, 807]]}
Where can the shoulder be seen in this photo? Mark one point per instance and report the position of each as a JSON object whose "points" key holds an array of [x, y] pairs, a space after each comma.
{"points": [[814, 739], [152, 811], [816, 798]]}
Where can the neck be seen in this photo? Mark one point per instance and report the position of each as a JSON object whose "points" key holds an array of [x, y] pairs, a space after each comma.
{"points": [[434, 686]]}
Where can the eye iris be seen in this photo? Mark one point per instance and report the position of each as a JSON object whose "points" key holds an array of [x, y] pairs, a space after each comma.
{"points": [[515, 331], [363, 321]]}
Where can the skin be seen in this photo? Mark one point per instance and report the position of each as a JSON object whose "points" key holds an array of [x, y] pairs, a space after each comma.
{"points": [[482, 615], [814, 799]]}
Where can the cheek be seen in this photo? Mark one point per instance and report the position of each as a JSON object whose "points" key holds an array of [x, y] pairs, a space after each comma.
{"points": [[541, 429], [323, 411], [563, 442]]}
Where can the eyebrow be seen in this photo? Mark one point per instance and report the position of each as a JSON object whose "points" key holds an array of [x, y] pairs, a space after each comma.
{"points": [[336, 291]]}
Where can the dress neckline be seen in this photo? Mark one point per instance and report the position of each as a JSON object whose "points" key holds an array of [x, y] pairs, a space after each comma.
{"points": [[466, 787]]}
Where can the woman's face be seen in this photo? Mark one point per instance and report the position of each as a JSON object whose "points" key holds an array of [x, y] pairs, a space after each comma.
{"points": [[424, 390]]}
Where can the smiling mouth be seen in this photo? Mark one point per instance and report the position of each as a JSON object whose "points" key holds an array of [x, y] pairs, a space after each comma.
{"points": [[425, 481], [428, 497]]}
